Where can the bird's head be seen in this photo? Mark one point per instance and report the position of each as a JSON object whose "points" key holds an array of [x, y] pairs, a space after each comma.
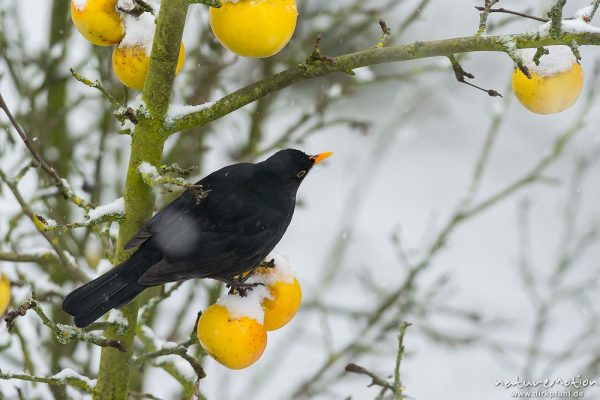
{"points": [[291, 166]]}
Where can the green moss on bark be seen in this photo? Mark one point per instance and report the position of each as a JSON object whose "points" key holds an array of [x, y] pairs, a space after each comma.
{"points": [[147, 145]]}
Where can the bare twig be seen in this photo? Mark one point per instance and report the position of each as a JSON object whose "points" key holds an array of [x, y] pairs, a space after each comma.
{"points": [[412, 17], [595, 4], [375, 380], [316, 56], [386, 34], [65, 260], [507, 11], [179, 350], [120, 111], [461, 74], [483, 16], [555, 15], [40, 258], [58, 181], [398, 388]]}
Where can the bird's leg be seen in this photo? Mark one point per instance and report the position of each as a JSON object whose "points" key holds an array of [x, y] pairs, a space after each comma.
{"points": [[238, 285]]}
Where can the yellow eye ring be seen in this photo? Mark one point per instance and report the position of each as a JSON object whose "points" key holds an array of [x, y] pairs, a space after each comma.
{"points": [[301, 174]]}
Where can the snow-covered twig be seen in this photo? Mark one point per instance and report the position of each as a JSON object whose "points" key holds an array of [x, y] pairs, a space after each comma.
{"points": [[153, 178], [63, 333], [65, 377], [113, 211]]}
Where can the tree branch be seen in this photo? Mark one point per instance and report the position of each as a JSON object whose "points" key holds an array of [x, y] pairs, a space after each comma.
{"points": [[483, 16], [80, 382], [40, 258], [375, 379], [147, 145], [60, 183], [398, 388], [465, 212], [63, 333], [555, 15], [65, 260], [373, 56]]}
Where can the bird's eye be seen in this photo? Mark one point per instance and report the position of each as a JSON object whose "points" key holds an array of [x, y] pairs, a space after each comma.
{"points": [[301, 174]]}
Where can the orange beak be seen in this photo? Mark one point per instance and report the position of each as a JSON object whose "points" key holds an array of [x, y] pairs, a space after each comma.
{"points": [[320, 157]]}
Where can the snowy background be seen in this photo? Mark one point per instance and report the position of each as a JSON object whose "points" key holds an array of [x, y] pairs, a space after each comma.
{"points": [[406, 175]]}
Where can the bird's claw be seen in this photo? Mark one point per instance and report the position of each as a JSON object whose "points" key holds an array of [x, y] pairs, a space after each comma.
{"points": [[242, 288]]}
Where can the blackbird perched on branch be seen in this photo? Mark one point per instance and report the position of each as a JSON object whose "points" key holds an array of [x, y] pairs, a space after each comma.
{"points": [[245, 213]]}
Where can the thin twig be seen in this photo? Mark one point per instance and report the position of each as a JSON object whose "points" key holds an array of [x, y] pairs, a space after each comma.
{"points": [[79, 382], [412, 17], [120, 111], [375, 380], [65, 261], [461, 74], [58, 181], [595, 4], [63, 333], [483, 16], [555, 15], [507, 11], [398, 388], [386, 34], [179, 350]]}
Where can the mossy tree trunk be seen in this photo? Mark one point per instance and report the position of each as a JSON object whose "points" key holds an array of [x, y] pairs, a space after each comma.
{"points": [[147, 145]]}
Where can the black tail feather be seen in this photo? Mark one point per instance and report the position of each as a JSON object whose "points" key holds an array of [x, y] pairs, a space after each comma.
{"points": [[113, 289]]}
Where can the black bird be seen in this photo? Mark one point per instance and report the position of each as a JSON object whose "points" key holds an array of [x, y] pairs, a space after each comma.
{"points": [[245, 213]]}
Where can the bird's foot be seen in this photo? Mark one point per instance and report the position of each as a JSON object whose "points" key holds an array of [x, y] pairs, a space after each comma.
{"points": [[240, 287]]}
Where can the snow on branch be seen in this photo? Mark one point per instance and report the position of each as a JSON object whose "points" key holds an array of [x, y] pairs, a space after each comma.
{"points": [[153, 178], [373, 56], [110, 212], [63, 333], [64, 377]]}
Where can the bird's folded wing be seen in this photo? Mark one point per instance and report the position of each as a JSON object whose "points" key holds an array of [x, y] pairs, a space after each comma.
{"points": [[180, 206], [216, 244]]}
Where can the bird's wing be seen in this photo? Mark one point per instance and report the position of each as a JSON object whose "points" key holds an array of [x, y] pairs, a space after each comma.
{"points": [[220, 243], [183, 205]]}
